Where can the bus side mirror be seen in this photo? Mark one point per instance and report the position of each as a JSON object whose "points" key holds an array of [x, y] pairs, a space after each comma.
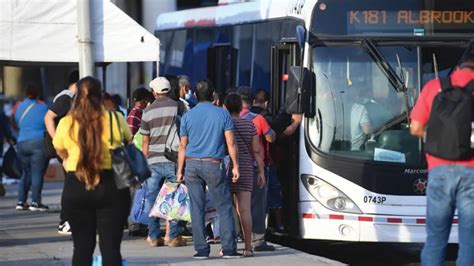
{"points": [[300, 93]]}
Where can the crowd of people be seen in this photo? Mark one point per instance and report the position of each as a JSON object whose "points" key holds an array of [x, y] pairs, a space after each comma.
{"points": [[224, 150], [225, 156]]}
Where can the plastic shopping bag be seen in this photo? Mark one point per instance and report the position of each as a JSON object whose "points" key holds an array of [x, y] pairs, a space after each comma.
{"points": [[172, 203], [138, 214]]}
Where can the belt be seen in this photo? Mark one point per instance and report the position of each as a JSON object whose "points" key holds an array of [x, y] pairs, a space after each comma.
{"points": [[212, 160]]}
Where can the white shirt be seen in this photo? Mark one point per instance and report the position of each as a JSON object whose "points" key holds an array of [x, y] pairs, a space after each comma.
{"points": [[359, 118]]}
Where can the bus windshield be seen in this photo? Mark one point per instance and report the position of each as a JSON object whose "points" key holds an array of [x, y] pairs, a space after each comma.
{"points": [[359, 114]]}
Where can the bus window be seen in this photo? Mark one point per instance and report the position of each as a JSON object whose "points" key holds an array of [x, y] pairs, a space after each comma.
{"points": [[221, 66], [358, 112], [242, 41]]}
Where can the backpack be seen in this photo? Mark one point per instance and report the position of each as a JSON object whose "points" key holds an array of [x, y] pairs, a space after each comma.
{"points": [[448, 133]]}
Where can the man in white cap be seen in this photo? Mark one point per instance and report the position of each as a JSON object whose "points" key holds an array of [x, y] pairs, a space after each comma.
{"points": [[157, 119]]}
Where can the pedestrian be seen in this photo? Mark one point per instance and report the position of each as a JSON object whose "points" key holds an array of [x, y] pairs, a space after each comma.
{"points": [[203, 132], [29, 117], [156, 122], [5, 134], [249, 152], [274, 197], [109, 104], [91, 198], [118, 103], [61, 105], [451, 182], [259, 195], [140, 98], [186, 95]]}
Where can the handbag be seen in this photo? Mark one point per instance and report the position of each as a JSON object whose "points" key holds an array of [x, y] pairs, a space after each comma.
{"points": [[48, 148], [138, 214], [129, 165], [172, 203], [11, 164]]}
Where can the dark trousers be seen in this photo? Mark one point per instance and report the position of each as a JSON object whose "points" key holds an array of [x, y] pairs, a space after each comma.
{"points": [[103, 210]]}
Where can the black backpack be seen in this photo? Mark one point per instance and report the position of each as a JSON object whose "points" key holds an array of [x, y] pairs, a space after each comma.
{"points": [[448, 133]]}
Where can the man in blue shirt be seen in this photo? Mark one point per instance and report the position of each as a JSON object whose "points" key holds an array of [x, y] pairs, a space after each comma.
{"points": [[29, 118], [203, 131]]}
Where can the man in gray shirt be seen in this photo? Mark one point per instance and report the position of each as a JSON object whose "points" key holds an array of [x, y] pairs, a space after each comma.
{"points": [[156, 122]]}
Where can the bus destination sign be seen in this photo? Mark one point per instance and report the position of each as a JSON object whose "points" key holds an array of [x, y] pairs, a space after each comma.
{"points": [[404, 17], [364, 21], [401, 17]]}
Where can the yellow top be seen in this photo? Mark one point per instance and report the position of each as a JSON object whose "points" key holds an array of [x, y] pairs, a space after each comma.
{"points": [[63, 141]]}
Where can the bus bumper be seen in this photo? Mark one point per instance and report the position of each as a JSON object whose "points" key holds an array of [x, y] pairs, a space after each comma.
{"points": [[317, 222]]}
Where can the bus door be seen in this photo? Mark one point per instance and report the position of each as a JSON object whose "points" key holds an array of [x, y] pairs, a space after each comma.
{"points": [[284, 55], [222, 66]]}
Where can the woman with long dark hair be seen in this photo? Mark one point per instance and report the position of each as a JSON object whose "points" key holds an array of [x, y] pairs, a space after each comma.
{"points": [[248, 153], [91, 199]]}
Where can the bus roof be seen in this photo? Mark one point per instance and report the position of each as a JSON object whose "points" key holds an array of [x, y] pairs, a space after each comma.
{"points": [[239, 13]]}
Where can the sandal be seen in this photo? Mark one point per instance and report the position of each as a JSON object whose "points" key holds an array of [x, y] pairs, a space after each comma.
{"points": [[247, 253]]}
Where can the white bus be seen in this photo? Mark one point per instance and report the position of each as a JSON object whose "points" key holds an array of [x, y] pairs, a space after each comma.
{"points": [[365, 63]]}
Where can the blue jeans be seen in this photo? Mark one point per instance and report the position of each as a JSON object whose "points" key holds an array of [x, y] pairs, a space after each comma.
{"points": [[449, 187], [198, 174], [33, 164], [259, 211], [159, 173], [275, 200]]}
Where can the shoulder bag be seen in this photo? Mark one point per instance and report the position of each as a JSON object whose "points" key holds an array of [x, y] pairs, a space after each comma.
{"points": [[129, 165], [172, 140]]}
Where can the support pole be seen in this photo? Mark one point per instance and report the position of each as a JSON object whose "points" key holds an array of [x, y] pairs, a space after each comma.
{"points": [[86, 60]]}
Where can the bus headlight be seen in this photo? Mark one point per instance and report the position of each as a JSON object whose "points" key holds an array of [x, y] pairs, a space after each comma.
{"points": [[329, 196]]}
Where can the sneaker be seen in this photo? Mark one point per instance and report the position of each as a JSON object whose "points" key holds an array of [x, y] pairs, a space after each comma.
{"points": [[137, 230], [38, 207], [234, 255], [64, 228], [21, 206], [198, 256], [210, 240], [264, 247], [280, 231], [177, 242], [155, 243], [186, 234]]}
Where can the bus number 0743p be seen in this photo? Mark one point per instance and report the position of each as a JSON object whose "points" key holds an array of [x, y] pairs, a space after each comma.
{"points": [[374, 199]]}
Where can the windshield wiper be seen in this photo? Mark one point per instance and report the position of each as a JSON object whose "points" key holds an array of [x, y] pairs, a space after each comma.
{"points": [[384, 66], [397, 82]]}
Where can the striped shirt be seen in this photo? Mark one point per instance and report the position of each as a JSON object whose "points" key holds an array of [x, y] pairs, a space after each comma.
{"points": [[244, 132], [134, 119], [156, 122]]}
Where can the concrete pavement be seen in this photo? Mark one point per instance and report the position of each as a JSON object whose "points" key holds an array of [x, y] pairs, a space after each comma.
{"points": [[31, 238]]}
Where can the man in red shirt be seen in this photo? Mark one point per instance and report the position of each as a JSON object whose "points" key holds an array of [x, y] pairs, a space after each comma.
{"points": [[259, 195], [451, 183]]}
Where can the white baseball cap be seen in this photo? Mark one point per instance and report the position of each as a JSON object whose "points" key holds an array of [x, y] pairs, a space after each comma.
{"points": [[160, 85]]}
